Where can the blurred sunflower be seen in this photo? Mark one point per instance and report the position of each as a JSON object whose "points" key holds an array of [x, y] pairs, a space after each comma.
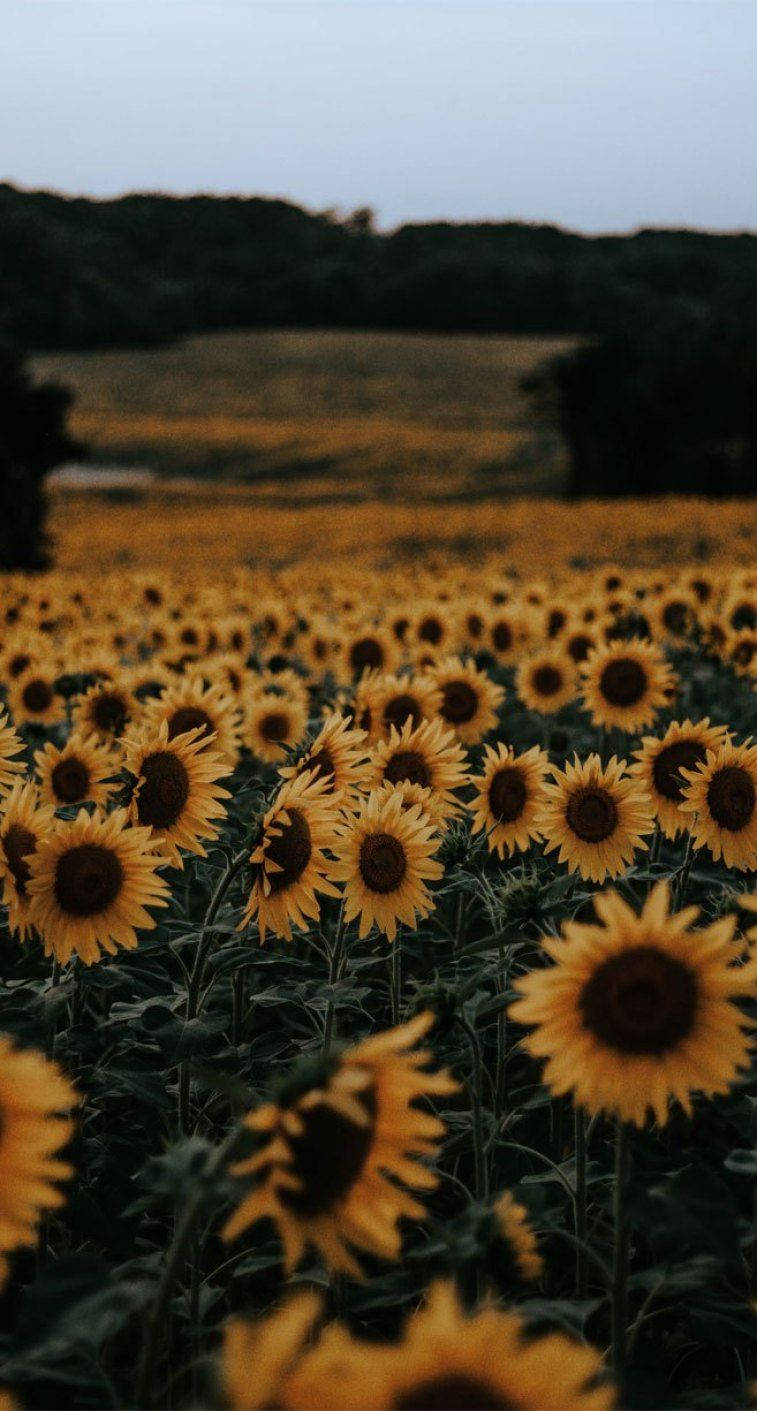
{"points": [[511, 1227], [385, 857], [257, 1358], [639, 1010], [273, 724], [81, 771], [338, 754], [104, 710], [595, 815], [90, 883], [508, 629], [674, 615], [740, 649], [579, 642], [546, 681], [659, 762], [509, 795], [176, 791], [10, 746], [289, 861], [434, 627], [24, 822], [33, 699], [344, 1132], [33, 1095], [366, 648], [429, 755], [625, 684], [189, 704], [469, 699], [401, 698], [720, 797], [473, 622]]}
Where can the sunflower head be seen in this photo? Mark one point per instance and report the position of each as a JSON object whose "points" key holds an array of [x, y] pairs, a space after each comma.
{"points": [[385, 856], [596, 815], [720, 800], [289, 860], [625, 684]]}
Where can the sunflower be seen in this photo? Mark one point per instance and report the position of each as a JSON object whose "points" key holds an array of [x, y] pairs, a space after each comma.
{"points": [[189, 704], [104, 710], [335, 1145], [721, 794], [91, 880], [547, 681], [431, 805], [638, 1010], [273, 724], [176, 793], [147, 679], [338, 754], [473, 622], [428, 755], [367, 648], [595, 815], [33, 1095], [257, 1358], [674, 615], [659, 762], [385, 856], [81, 771], [512, 1227], [509, 795], [469, 699], [625, 684], [24, 822], [10, 746], [33, 699], [740, 649], [447, 1360], [398, 699], [289, 861], [433, 628], [579, 642], [507, 631]]}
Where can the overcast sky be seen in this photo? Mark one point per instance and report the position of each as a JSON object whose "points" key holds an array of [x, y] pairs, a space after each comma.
{"points": [[597, 114]]}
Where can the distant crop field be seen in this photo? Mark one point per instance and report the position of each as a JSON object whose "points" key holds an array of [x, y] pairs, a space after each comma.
{"points": [[399, 413]]}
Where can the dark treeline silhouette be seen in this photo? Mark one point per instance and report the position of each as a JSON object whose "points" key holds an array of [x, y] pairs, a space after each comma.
{"points": [[77, 273], [33, 439]]}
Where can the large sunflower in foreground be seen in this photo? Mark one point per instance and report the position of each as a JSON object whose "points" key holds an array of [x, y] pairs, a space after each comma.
{"points": [[447, 1360], [338, 755], [81, 771], [24, 822], [176, 791], [638, 1010], [429, 755], [289, 862], [469, 699], [337, 1143], [385, 857], [10, 746], [626, 683], [596, 815], [91, 882], [547, 681], [33, 1096], [720, 798], [509, 795], [188, 704], [660, 760]]}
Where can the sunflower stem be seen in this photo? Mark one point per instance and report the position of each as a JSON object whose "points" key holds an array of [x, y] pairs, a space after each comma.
{"points": [[335, 966], [579, 1125], [395, 977], [237, 1007], [500, 1078], [621, 1246], [477, 1111], [52, 1027], [682, 880], [194, 987]]}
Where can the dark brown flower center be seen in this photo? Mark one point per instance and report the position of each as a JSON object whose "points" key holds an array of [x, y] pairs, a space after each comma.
{"points": [[291, 850], [190, 718], [109, 712], [507, 794], [164, 790], [641, 1001], [459, 702], [17, 843], [731, 797], [328, 1156], [431, 630], [579, 646], [189, 636], [70, 780], [452, 1391], [37, 696], [683, 754], [274, 726], [555, 622], [502, 637], [18, 664], [365, 652], [474, 623], [399, 628], [383, 863], [744, 615], [743, 653], [592, 814], [547, 680], [400, 708], [408, 766], [88, 879], [623, 682]]}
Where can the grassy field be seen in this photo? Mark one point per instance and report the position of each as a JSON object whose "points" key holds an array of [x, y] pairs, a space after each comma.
{"points": [[395, 414]]}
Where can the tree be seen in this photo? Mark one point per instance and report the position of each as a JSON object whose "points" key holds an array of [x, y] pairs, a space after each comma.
{"points": [[33, 439]]}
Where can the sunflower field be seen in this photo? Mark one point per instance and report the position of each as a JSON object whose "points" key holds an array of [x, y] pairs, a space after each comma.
{"points": [[378, 961]]}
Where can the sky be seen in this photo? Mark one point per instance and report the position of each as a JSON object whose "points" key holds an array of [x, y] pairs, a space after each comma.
{"points": [[593, 114]]}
